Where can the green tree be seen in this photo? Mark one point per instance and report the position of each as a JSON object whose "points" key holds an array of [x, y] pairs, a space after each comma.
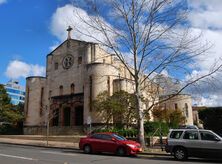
{"points": [[172, 117], [4, 99], [120, 107], [102, 104], [8, 112], [125, 106]]}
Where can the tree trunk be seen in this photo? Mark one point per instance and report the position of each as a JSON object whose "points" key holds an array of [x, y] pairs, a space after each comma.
{"points": [[139, 107]]}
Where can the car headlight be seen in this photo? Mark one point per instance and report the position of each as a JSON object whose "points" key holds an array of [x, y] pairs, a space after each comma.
{"points": [[130, 145]]}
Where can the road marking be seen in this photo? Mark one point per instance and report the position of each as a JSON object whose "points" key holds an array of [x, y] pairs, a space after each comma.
{"points": [[58, 153], [18, 157]]}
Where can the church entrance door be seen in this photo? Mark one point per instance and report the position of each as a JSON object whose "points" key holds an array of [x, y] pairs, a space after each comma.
{"points": [[55, 121], [79, 115], [67, 116]]}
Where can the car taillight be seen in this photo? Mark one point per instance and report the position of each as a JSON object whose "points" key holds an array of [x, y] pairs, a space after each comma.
{"points": [[167, 141]]}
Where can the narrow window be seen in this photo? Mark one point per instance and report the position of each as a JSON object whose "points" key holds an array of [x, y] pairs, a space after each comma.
{"points": [[176, 106], [186, 110], [41, 101], [108, 85], [50, 94], [92, 52], [56, 65], [80, 60], [72, 88], [61, 90], [90, 92]]}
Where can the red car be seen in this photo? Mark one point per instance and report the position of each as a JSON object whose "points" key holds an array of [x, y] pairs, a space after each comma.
{"points": [[109, 142]]}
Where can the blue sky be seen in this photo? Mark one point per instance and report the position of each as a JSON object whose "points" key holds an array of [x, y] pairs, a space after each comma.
{"points": [[25, 33], [30, 29]]}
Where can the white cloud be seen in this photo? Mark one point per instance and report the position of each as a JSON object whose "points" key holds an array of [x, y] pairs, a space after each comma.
{"points": [[17, 69], [205, 14], [213, 100], [205, 17], [76, 17], [201, 5], [2, 1]]}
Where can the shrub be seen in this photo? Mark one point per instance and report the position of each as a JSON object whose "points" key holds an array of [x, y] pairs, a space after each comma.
{"points": [[151, 127], [7, 129]]}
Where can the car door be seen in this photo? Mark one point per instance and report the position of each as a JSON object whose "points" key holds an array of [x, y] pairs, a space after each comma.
{"points": [[107, 144], [96, 142], [211, 144], [192, 142]]}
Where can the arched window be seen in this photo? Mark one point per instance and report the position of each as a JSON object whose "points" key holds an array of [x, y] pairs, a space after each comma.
{"points": [[60, 90], [72, 88]]}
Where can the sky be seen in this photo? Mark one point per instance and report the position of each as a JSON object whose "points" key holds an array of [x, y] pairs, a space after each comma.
{"points": [[31, 29]]}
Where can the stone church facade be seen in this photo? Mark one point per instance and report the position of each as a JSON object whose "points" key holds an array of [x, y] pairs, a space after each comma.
{"points": [[76, 72]]}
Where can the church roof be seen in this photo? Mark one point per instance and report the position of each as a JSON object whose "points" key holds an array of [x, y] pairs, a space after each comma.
{"points": [[70, 40]]}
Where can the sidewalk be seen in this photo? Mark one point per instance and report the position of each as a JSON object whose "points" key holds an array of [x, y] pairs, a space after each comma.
{"points": [[40, 143], [64, 145]]}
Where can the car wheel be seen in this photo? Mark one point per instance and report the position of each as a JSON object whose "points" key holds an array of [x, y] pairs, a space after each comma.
{"points": [[121, 151], [87, 149], [180, 153]]}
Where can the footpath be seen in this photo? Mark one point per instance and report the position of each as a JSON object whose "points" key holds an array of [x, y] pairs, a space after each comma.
{"points": [[62, 142]]}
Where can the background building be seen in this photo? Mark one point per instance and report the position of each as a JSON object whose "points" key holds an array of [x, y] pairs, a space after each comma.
{"points": [[15, 91], [181, 102]]}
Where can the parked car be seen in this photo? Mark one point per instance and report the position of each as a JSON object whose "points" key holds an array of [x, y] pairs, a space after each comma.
{"points": [[184, 143], [109, 142]]}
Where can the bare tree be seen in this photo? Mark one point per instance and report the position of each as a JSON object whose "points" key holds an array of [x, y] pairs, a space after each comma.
{"points": [[47, 116], [148, 37]]}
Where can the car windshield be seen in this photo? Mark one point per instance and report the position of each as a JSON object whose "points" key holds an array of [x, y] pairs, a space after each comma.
{"points": [[119, 137]]}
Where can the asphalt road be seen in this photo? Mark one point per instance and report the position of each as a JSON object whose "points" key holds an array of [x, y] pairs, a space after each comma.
{"points": [[14, 154]]}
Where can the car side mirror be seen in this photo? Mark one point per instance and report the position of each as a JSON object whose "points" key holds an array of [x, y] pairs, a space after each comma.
{"points": [[217, 139], [113, 139]]}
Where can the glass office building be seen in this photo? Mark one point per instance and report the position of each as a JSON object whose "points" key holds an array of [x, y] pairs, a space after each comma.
{"points": [[15, 92]]}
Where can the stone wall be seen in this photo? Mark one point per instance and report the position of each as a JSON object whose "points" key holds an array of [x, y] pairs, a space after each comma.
{"points": [[34, 100]]}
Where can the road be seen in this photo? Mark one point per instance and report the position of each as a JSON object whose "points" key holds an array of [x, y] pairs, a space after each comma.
{"points": [[14, 154]]}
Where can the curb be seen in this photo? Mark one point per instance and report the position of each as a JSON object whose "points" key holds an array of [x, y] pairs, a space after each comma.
{"points": [[151, 153]]}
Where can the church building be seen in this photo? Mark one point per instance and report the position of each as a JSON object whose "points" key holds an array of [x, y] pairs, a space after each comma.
{"points": [[76, 72]]}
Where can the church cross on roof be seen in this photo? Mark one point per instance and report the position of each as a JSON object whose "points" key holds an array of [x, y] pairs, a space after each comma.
{"points": [[69, 32]]}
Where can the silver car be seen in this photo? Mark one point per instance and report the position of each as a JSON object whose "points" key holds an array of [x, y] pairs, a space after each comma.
{"points": [[184, 143]]}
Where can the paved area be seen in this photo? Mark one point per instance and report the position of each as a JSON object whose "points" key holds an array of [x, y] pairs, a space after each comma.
{"points": [[11, 154]]}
